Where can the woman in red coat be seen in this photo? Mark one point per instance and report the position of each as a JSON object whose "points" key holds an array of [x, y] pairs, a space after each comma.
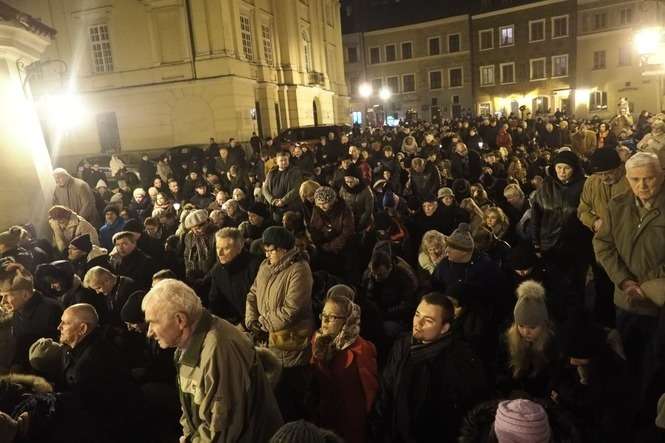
{"points": [[344, 369]]}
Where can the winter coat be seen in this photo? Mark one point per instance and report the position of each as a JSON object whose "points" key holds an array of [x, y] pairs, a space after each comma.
{"points": [[466, 166], [142, 210], [107, 232], [426, 390], [552, 139], [77, 195], [332, 230], [147, 171], [396, 294], [503, 139], [630, 246], [39, 317], [224, 394], [230, 284], [96, 257], [138, 266], [584, 143], [283, 185], [200, 254], [347, 386], [426, 183], [76, 226], [281, 298], [595, 198], [361, 202]]}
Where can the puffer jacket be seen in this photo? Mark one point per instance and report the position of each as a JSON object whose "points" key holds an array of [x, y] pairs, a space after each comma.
{"points": [[281, 298], [554, 212]]}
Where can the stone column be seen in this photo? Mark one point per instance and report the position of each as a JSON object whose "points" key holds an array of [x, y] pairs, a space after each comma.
{"points": [[26, 180]]}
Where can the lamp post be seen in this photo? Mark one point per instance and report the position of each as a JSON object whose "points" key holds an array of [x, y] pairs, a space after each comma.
{"points": [[365, 90]]}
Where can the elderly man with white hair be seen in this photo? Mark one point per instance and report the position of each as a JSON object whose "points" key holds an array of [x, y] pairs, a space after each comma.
{"points": [[75, 194], [630, 245], [224, 393]]}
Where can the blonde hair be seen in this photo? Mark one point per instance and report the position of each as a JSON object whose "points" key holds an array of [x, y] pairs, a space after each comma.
{"points": [[307, 189], [97, 274], [432, 238], [527, 358], [502, 220]]}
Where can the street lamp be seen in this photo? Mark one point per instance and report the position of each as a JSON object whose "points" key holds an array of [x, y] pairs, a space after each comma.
{"points": [[365, 90], [385, 94], [648, 40]]}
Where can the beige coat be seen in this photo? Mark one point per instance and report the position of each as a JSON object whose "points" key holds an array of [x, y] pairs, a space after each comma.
{"points": [[76, 226], [632, 248], [595, 198], [77, 196], [281, 298]]}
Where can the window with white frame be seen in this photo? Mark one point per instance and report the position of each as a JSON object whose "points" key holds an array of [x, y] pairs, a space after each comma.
{"points": [[352, 54], [377, 84], [626, 16], [435, 80], [599, 60], [408, 83], [537, 68], [487, 75], [536, 30], [625, 56], [560, 26], [246, 34], [100, 44], [374, 55], [391, 53], [266, 33], [454, 43], [434, 46], [307, 50], [507, 35], [407, 50], [393, 84], [597, 100], [455, 78], [507, 73], [486, 39], [560, 65]]}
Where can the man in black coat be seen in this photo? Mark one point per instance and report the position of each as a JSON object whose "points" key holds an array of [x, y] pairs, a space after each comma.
{"points": [[131, 261], [115, 290], [232, 276], [430, 380]]}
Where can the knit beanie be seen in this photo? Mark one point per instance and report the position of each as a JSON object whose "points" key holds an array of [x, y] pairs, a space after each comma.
{"points": [[660, 412], [445, 192], [324, 195], [302, 431], [461, 238], [9, 239], [260, 209], [131, 311], [567, 157], [45, 355], [82, 242], [530, 309], [279, 237], [604, 160], [521, 421], [196, 218], [341, 290]]}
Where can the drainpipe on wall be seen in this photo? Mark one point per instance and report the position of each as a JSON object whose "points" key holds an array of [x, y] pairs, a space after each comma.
{"points": [[192, 49]]}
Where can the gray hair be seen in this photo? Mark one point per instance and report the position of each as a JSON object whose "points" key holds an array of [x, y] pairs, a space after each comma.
{"points": [[95, 274], [513, 189], [85, 313], [232, 233], [172, 296], [641, 159]]}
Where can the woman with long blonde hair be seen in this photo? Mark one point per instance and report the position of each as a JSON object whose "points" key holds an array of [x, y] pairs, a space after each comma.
{"points": [[497, 221]]}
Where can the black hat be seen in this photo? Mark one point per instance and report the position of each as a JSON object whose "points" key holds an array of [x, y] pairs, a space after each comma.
{"points": [[112, 208], [582, 338], [604, 159], [567, 157], [131, 311], [279, 237], [522, 257], [353, 171], [132, 225], [260, 209], [82, 242]]}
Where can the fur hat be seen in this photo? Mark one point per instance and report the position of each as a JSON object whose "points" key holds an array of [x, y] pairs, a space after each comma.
{"points": [[131, 311], [82, 242], [604, 160], [445, 192], [279, 237], [45, 355], [530, 308], [10, 238], [567, 157], [260, 209], [324, 194], [521, 421], [196, 218], [461, 238]]}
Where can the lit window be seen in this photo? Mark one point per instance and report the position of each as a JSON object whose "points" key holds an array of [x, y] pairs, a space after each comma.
{"points": [[100, 44], [507, 35], [486, 75]]}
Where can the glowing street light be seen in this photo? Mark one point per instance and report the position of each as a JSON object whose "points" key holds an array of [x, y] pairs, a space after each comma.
{"points": [[365, 90], [63, 111], [648, 40], [385, 94]]}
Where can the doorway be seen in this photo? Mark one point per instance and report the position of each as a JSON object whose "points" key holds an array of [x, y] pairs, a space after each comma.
{"points": [[315, 113]]}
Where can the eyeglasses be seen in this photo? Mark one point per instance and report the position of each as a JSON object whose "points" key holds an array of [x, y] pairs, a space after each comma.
{"points": [[329, 317]]}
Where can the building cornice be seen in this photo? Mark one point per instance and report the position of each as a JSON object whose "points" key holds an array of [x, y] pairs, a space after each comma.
{"points": [[427, 24], [516, 9], [27, 22]]}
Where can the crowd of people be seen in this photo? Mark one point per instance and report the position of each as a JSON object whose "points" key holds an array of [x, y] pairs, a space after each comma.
{"points": [[490, 279]]}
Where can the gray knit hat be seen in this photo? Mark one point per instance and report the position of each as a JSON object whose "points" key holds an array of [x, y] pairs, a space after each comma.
{"points": [[445, 192], [45, 355], [324, 194], [341, 291], [461, 238], [530, 309], [196, 218]]}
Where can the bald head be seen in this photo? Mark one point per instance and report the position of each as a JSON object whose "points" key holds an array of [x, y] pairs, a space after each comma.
{"points": [[76, 323]]}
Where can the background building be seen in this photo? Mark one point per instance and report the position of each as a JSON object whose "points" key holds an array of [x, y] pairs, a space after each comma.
{"points": [[524, 55], [159, 73]]}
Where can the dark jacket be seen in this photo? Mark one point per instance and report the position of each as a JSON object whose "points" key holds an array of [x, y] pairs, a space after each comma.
{"points": [[283, 185], [229, 286], [138, 266], [468, 166], [425, 391], [332, 230], [396, 294], [39, 317], [426, 183]]}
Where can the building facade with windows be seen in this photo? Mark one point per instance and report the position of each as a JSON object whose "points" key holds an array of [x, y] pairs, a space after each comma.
{"points": [[524, 56], [608, 64], [159, 73]]}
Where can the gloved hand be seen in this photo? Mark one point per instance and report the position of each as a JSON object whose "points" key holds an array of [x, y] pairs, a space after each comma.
{"points": [[258, 333]]}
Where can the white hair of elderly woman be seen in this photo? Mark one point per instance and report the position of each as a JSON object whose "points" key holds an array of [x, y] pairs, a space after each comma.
{"points": [[641, 159], [173, 296]]}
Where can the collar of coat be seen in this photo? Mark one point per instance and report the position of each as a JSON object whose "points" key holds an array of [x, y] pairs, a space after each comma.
{"points": [[191, 355], [292, 256]]}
